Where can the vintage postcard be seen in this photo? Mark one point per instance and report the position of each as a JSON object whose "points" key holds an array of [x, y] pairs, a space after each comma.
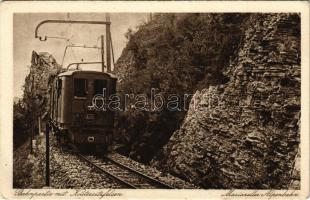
{"points": [[154, 100]]}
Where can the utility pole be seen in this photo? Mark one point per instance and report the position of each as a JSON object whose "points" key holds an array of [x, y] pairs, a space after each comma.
{"points": [[102, 52], [32, 114], [108, 43], [47, 154]]}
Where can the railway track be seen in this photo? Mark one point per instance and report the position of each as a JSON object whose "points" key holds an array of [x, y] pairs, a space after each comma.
{"points": [[123, 174]]}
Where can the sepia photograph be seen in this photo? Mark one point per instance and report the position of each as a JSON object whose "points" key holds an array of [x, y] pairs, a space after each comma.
{"points": [[201, 101]]}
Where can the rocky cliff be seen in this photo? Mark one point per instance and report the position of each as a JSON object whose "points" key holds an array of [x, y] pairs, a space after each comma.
{"points": [[245, 133], [174, 54], [35, 100]]}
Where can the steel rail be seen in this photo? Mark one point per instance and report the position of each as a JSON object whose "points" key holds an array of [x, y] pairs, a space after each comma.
{"points": [[140, 174], [107, 172]]}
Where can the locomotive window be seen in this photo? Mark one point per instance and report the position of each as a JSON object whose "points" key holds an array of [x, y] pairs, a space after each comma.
{"points": [[99, 85], [80, 87], [59, 86], [113, 86]]}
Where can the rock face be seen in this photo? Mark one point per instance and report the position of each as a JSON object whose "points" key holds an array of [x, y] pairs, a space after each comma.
{"points": [[35, 100], [245, 133], [174, 54]]}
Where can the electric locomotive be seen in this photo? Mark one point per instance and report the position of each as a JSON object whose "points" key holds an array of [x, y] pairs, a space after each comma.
{"points": [[73, 119]]}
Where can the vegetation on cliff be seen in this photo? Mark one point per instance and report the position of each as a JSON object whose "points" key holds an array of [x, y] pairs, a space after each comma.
{"points": [[175, 54]]}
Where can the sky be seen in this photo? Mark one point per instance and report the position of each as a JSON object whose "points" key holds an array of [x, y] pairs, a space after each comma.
{"points": [[79, 34]]}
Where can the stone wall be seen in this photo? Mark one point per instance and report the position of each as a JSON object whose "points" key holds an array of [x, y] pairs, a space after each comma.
{"points": [[245, 133]]}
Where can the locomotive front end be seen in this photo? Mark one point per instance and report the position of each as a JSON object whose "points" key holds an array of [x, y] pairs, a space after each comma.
{"points": [[82, 114], [92, 124]]}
